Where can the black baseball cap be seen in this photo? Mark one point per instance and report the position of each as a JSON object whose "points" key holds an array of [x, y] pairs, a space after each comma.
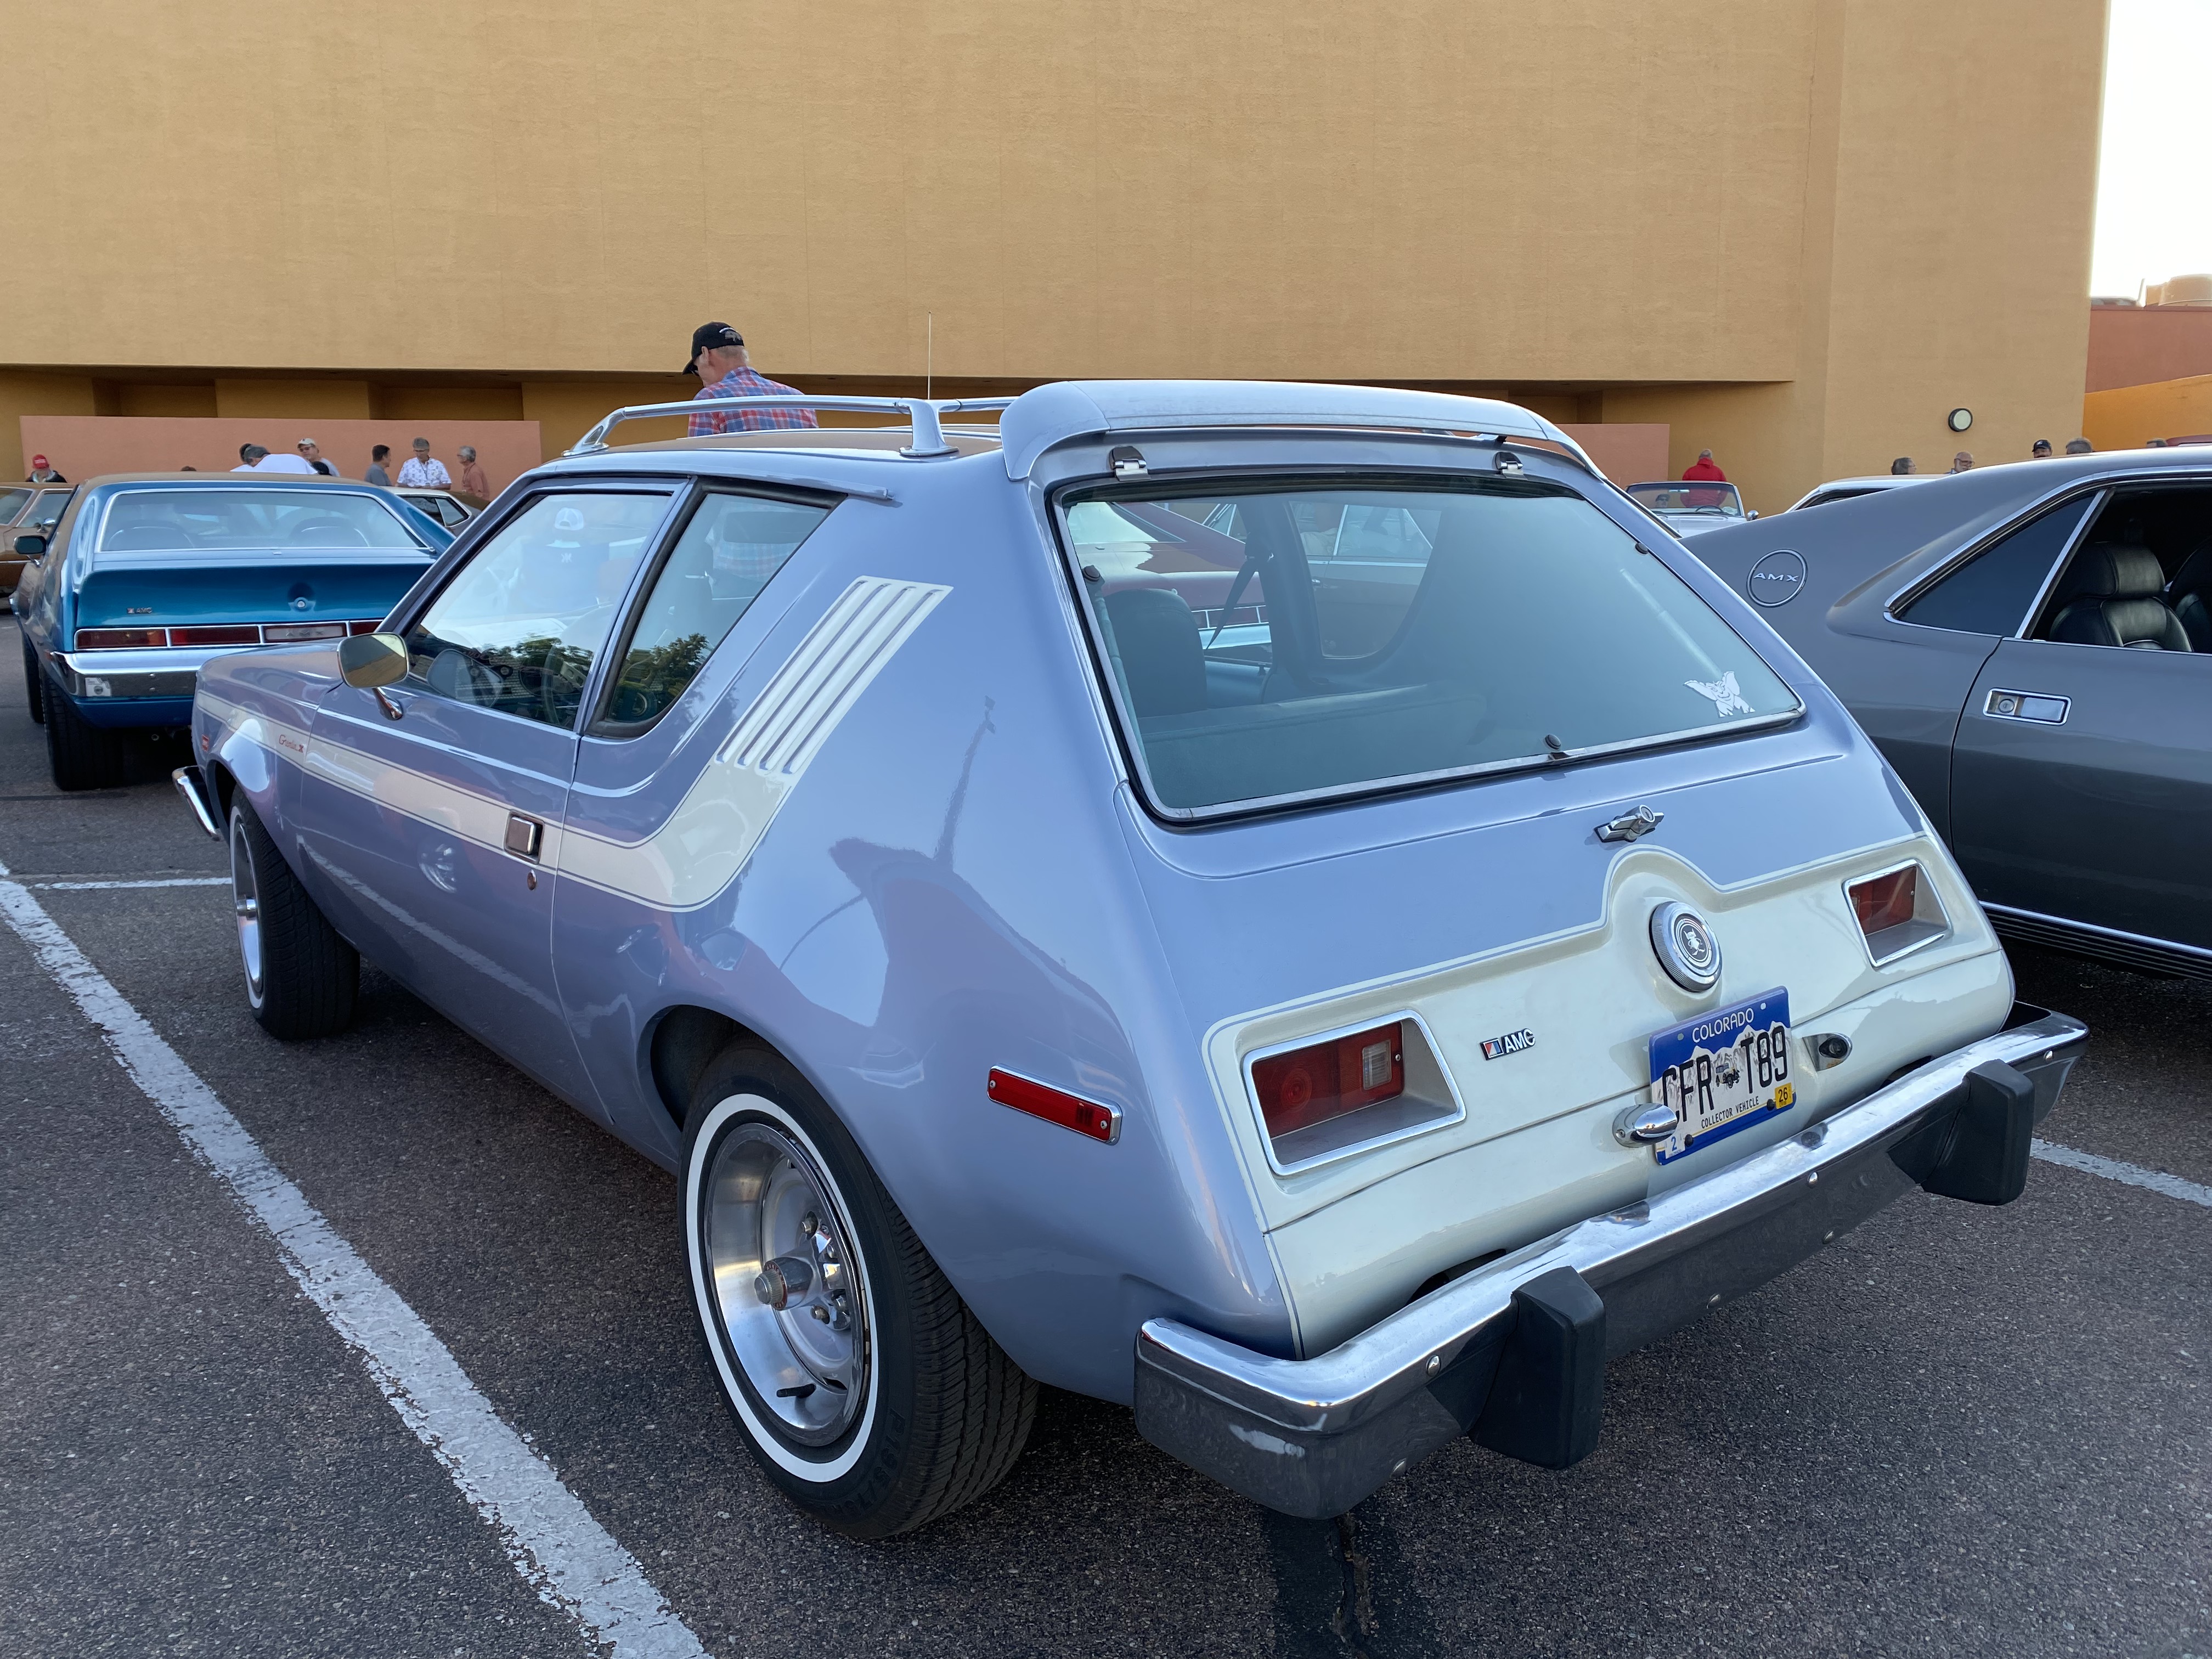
{"points": [[707, 336]]}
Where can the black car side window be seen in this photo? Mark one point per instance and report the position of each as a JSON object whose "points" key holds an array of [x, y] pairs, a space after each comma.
{"points": [[1991, 592], [519, 627], [726, 556]]}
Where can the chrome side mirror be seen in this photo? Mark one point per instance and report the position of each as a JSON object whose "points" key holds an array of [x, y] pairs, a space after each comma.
{"points": [[31, 547], [1753, 513], [371, 661]]}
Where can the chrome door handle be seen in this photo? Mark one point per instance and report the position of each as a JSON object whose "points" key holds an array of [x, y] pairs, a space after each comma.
{"points": [[2026, 706]]}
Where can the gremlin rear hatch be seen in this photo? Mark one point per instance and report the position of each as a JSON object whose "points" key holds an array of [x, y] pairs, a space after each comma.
{"points": [[1400, 743]]}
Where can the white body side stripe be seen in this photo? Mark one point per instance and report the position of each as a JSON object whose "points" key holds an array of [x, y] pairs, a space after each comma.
{"points": [[700, 849]]}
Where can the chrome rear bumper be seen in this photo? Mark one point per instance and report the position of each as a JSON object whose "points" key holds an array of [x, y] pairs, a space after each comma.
{"points": [[1514, 1351]]}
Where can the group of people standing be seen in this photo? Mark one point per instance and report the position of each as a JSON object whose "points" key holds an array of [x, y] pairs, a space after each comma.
{"points": [[421, 471]]}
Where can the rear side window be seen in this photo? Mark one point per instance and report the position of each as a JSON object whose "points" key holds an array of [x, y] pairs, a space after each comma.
{"points": [[1294, 642], [726, 556], [1991, 592], [11, 503]]}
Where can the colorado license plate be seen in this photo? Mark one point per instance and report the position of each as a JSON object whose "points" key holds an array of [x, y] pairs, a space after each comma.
{"points": [[1724, 1072]]}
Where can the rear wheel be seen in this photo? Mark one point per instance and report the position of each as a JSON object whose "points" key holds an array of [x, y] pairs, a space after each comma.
{"points": [[81, 756], [33, 689], [866, 1388], [300, 976]]}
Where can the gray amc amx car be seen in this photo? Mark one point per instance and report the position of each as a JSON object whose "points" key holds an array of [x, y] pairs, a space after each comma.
{"points": [[2031, 645]]}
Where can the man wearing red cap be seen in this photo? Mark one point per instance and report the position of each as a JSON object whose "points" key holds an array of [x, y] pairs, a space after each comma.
{"points": [[41, 473]]}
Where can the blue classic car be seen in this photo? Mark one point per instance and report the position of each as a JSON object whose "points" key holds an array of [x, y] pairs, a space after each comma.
{"points": [[1292, 908], [148, 575]]}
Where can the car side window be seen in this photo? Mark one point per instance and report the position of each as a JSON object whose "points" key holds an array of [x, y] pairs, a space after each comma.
{"points": [[519, 627], [1991, 592], [726, 555]]}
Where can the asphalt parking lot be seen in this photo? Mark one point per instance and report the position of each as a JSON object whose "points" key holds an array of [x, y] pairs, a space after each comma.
{"points": [[1959, 1431]]}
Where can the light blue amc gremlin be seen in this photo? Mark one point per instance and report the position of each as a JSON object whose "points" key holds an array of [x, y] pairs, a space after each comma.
{"points": [[1295, 909]]}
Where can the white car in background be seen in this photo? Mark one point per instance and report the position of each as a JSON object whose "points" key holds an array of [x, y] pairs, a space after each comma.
{"points": [[1842, 489], [1692, 505]]}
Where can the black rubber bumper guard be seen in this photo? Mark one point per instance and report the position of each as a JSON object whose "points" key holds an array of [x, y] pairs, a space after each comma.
{"points": [[1514, 1353]]}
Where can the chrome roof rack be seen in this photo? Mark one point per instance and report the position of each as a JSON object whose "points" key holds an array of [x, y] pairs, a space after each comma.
{"points": [[923, 413], [1080, 409]]}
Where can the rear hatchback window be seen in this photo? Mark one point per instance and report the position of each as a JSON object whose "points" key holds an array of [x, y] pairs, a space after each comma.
{"points": [[1291, 643]]}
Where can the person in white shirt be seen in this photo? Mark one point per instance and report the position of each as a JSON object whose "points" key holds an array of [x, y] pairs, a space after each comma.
{"points": [[284, 464], [421, 471], [248, 454]]}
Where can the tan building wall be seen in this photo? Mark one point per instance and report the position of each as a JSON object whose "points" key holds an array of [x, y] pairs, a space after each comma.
{"points": [[1797, 230]]}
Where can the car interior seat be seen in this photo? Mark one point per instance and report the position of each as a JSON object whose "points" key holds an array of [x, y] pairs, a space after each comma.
{"points": [[2189, 595], [2112, 594], [145, 535], [1162, 661], [325, 533]]}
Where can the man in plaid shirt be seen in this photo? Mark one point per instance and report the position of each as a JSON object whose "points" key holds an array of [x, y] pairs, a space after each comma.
{"points": [[718, 358]]}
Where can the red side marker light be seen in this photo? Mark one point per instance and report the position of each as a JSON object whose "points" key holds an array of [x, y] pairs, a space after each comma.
{"points": [[1085, 1117]]}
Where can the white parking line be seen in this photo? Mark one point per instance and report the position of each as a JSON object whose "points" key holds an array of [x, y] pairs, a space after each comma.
{"points": [[561, 1553], [2157, 1180], [109, 886]]}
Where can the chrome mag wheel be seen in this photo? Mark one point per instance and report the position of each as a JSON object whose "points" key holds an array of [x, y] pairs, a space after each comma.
{"points": [[789, 1285], [245, 899]]}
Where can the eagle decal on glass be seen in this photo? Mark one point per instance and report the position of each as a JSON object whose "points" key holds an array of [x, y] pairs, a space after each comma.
{"points": [[1727, 695]]}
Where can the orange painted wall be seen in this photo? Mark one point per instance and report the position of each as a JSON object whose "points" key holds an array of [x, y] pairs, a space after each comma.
{"points": [[2123, 417], [81, 447]]}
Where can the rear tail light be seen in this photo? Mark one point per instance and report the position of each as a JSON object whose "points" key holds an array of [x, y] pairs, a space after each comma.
{"points": [[119, 638], [1085, 1117], [292, 633], [1329, 1097], [1313, 1085], [220, 634], [1898, 911]]}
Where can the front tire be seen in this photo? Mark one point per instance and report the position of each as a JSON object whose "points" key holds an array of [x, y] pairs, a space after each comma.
{"points": [[301, 976], [863, 1385], [81, 756], [33, 685]]}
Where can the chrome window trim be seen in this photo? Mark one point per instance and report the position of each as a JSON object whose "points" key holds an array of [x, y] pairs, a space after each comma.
{"points": [[677, 488], [1913, 590], [1915, 585], [1358, 1148], [1934, 894], [690, 501], [1137, 768]]}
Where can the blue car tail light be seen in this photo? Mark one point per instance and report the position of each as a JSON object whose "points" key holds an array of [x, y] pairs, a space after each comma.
{"points": [[120, 638], [207, 634]]}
